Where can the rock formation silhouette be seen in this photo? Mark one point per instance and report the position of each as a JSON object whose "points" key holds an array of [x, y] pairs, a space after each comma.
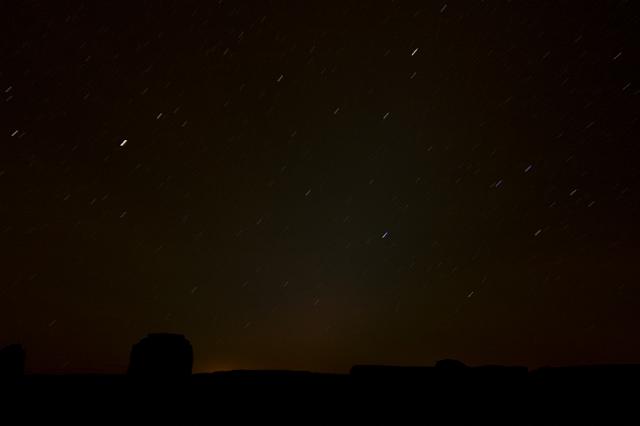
{"points": [[161, 354], [12, 361]]}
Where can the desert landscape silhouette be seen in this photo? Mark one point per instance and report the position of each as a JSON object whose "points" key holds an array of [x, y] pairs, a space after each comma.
{"points": [[159, 387]]}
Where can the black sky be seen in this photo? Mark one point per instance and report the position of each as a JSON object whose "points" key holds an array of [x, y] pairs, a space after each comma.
{"points": [[314, 184]]}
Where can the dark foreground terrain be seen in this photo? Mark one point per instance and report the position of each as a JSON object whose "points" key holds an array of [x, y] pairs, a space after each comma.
{"points": [[369, 394]]}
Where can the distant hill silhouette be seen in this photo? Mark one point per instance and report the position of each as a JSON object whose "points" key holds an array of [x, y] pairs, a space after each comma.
{"points": [[12, 359], [161, 354], [450, 364]]}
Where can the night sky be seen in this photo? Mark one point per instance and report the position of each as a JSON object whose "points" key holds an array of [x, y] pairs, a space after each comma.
{"points": [[312, 185]]}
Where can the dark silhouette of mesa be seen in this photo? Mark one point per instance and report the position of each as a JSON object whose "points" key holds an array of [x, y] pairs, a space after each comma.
{"points": [[161, 354], [12, 359], [159, 388]]}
